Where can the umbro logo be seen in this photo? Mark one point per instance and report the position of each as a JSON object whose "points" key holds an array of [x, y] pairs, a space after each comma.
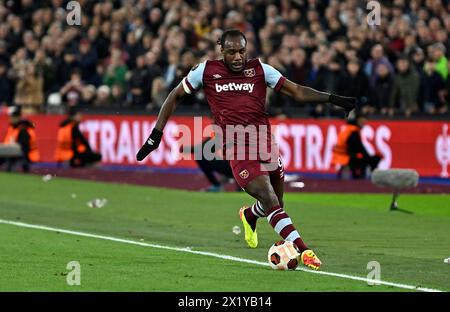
{"points": [[217, 76]]}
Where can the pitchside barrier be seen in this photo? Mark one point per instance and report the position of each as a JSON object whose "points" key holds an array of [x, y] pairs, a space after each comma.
{"points": [[305, 144]]}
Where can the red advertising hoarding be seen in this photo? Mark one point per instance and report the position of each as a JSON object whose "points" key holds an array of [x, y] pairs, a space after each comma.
{"points": [[305, 144]]}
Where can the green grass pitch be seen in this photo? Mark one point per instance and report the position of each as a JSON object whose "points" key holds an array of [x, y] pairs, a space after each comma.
{"points": [[346, 231]]}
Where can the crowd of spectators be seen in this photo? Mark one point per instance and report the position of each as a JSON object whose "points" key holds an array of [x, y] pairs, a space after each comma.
{"points": [[131, 53]]}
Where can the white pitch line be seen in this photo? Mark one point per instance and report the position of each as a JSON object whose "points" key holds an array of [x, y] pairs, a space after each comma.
{"points": [[211, 254]]}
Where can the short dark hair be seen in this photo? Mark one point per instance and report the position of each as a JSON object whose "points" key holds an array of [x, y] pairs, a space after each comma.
{"points": [[403, 57], [72, 110], [354, 61], [230, 33], [75, 71]]}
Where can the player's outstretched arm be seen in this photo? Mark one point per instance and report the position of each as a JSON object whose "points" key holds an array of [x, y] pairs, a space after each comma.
{"points": [[166, 111], [309, 95]]}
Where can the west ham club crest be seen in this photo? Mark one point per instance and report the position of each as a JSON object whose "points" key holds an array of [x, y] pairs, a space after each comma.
{"points": [[249, 72]]}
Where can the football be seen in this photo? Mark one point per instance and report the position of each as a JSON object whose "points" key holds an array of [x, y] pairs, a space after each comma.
{"points": [[283, 255]]}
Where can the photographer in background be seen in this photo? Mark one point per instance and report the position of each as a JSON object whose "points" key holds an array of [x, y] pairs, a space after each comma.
{"points": [[350, 151], [72, 146]]}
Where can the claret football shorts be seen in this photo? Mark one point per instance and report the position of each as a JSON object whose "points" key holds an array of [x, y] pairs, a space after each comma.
{"points": [[245, 171]]}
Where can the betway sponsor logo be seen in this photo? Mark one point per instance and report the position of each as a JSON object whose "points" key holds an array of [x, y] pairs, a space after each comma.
{"points": [[232, 86]]}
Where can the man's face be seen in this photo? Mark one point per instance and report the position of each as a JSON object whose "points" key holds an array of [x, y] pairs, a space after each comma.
{"points": [[418, 57], [14, 119], [235, 53], [361, 121], [77, 117], [353, 68], [382, 70], [75, 77], [377, 52], [402, 65], [437, 53], [84, 48]]}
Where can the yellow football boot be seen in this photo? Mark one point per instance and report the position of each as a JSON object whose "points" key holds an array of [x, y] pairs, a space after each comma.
{"points": [[309, 259], [251, 237]]}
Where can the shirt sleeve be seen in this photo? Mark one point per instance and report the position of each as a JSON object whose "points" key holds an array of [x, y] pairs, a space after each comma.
{"points": [[194, 79], [274, 79]]}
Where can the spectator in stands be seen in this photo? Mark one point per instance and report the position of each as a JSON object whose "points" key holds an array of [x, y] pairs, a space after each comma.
{"points": [[381, 91], [66, 66], [277, 103], [355, 83], [159, 94], [97, 78], [4, 55], [299, 68], [88, 96], [417, 57], [446, 95], [154, 70], [132, 48], [333, 74], [29, 89], [103, 97], [6, 86], [46, 66], [99, 41], [118, 96], [438, 55], [87, 61], [405, 92], [72, 91], [187, 62], [155, 19], [140, 83], [36, 31], [377, 57], [434, 88], [116, 70], [170, 72], [315, 80]]}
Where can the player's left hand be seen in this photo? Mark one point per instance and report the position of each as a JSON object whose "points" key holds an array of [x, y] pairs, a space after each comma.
{"points": [[347, 103], [150, 145]]}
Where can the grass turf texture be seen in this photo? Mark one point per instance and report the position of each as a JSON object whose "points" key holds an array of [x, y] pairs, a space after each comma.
{"points": [[346, 230]]}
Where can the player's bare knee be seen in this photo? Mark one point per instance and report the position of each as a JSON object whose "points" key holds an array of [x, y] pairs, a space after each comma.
{"points": [[262, 191]]}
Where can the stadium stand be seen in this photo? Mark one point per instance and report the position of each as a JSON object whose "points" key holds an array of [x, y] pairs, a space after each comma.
{"points": [[126, 55]]}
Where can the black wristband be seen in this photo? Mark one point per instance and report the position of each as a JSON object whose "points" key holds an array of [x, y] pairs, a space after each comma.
{"points": [[156, 134], [333, 99], [347, 103]]}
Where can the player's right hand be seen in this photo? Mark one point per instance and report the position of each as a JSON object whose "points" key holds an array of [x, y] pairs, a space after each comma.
{"points": [[150, 145]]}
